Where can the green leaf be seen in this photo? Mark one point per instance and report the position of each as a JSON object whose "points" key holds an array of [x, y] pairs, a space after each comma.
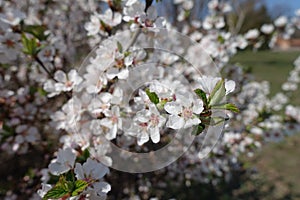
{"points": [[200, 128], [69, 176], [66, 186], [161, 104], [228, 106], [58, 191], [218, 93], [120, 47], [37, 31], [232, 107], [127, 53], [6, 132], [30, 45], [221, 39], [202, 96], [80, 186], [152, 96], [42, 92], [187, 13], [83, 156]]}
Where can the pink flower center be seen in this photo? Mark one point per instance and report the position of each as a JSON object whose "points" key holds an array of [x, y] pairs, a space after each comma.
{"points": [[187, 113], [68, 83], [114, 119], [47, 53], [154, 120], [148, 23], [9, 43]]}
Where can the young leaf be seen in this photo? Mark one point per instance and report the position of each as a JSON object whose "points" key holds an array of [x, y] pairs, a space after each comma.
{"points": [[37, 31], [152, 96], [202, 96], [120, 47], [228, 106], [56, 192], [199, 129], [221, 39], [30, 45], [83, 156], [232, 107], [80, 186], [218, 93]]}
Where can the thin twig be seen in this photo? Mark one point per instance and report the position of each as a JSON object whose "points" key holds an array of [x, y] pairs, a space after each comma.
{"points": [[44, 67], [48, 72], [133, 39]]}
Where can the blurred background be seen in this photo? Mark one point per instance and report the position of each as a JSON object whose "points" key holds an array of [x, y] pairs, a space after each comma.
{"points": [[273, 173]]}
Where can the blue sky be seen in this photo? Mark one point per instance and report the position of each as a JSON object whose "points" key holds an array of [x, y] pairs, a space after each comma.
{"points": [[291, 5]]}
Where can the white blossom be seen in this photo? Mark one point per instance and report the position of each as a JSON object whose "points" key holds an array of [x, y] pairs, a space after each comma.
{"points": [[64, 162]]}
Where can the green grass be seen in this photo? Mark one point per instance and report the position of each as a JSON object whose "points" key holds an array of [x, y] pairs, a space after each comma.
{"points": [[271, 66], [278, 164], [278, 175]]}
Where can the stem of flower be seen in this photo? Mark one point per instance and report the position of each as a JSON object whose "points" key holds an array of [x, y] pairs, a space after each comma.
{"points": [[44, 67], [48, 72], [133, 39]]}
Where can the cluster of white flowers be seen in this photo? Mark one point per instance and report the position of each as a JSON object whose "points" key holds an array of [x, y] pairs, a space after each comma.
{"points": [[131, 93], [86, 178]]}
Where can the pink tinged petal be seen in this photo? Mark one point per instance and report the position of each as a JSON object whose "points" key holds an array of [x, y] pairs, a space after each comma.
{"points": [[105, 97], [229, 86], [74, 77], [102, 187], [175, 122], [192, 122], [57, 168], [143, 137], [106, 122], [112, 133], [60, 76], [106, 160], [172, 108], [143, 116], [99, 170], [154, 134], [79, 171], [67, 156], [123, 74], [112, 73], [198, 107], [162, 121]]}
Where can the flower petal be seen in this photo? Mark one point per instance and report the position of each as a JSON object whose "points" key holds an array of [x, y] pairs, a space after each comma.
{"points": [[175, 122], [172, 108]]}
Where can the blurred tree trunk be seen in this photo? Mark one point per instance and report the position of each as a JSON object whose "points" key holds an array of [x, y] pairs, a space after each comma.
{"points": [[247, 14]]}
